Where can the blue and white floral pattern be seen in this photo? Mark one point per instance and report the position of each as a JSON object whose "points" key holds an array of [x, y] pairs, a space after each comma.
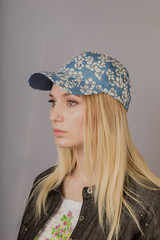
{"points": [[86, 74]]}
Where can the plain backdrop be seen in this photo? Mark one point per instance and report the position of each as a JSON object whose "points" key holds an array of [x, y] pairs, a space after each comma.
{"points": [[40, 35]]}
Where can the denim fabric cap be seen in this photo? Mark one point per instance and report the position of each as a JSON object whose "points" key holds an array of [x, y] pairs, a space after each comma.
{"points": [[86, 74]]}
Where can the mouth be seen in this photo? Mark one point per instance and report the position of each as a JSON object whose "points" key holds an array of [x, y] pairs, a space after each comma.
{"points": [[58, 132]]}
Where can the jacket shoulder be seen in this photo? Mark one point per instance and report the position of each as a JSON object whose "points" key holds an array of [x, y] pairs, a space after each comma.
{"points": [[28, 219], [145, 194], [45, 173], [145, 203]]}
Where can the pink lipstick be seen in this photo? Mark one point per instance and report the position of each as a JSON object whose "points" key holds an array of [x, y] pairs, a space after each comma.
{"points": [[58, 132]]}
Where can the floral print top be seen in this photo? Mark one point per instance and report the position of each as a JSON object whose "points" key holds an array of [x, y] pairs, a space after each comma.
{"points": [[61, 225]]}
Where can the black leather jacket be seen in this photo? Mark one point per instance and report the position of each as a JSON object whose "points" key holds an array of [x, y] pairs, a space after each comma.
{"points": [[88, 227]]}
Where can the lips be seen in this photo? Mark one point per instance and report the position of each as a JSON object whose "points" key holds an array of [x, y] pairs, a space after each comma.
{"points": [[58, 130]]}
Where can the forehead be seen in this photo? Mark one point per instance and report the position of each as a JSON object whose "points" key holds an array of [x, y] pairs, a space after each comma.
{"points": [[59, 91]]}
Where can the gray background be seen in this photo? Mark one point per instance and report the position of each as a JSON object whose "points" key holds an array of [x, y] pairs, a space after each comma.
{"points": [[42, 35]]}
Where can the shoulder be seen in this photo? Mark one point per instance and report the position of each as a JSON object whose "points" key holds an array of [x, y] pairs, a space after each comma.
{"points": [[145, 202], [145, 194], [45, 173]]}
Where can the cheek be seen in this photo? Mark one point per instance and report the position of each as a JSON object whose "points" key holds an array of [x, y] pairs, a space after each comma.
{"points": [[75, 120], [79, 127]]}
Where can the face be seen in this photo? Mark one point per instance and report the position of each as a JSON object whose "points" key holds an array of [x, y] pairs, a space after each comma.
{"points": [[66, 114]]}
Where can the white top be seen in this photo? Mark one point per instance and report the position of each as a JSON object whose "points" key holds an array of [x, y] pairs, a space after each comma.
{"points": [[61, 225]]}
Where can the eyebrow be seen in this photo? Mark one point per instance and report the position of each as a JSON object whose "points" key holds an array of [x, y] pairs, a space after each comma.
{"points": [[64, 94]]}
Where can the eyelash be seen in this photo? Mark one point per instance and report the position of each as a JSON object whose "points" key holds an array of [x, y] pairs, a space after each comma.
{"points": [[53, 101]]}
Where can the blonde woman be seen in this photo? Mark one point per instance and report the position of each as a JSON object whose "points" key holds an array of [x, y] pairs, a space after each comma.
{"points": [[101, 188]]}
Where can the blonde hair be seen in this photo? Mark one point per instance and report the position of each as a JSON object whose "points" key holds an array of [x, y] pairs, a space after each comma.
{"points": [[114, 158]]}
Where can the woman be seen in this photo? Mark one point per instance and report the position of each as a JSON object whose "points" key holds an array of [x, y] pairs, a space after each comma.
{"points": [[101, 188]]}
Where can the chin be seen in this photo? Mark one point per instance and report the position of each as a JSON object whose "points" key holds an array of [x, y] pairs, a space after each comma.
{"points": [[67, 145], [64, 145]]}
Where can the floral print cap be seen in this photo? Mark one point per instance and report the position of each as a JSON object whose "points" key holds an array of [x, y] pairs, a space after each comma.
{"points": [[86, 74]]}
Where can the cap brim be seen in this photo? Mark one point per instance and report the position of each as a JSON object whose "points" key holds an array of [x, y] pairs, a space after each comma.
{"points": [[41, 80], [45, 81]]}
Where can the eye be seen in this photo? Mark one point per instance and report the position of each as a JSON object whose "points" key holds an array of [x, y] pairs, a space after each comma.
{"points": [[51, 101], [71, 103]]}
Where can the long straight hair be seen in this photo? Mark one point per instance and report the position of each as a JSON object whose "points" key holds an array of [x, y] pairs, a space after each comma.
{"points": [[108, 148]]}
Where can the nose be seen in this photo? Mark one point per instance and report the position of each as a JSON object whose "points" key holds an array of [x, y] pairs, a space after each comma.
{"points": [[56, 114]]}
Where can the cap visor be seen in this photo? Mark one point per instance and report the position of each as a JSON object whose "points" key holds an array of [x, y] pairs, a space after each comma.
{"points": [[41, 80], [45, 80]]}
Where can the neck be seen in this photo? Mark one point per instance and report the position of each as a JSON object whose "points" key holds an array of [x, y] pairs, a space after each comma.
{"points": [[80, 172]]}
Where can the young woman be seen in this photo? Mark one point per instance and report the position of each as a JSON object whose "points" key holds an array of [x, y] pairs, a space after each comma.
{"points": [[101, 188]]}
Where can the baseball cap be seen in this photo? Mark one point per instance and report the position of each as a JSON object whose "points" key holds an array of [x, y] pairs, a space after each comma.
{"points": [[86, 74]]}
